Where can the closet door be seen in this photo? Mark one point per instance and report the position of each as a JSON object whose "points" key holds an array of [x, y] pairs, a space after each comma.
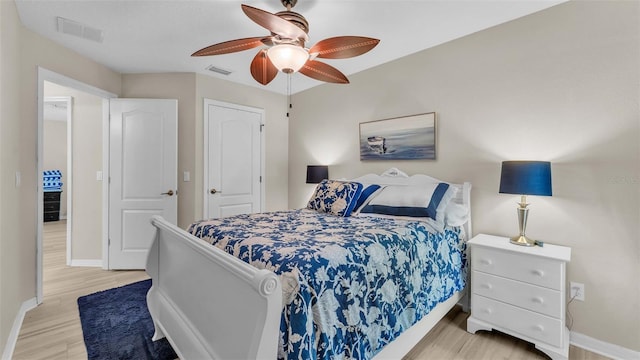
{"points": [[233, 159]]}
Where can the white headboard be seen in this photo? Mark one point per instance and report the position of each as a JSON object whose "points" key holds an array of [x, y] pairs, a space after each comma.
{"points": [[394, 176]]}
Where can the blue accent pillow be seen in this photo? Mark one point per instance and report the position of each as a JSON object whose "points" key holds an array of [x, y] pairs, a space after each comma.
{"points": [[335, 197], [365, 195]]}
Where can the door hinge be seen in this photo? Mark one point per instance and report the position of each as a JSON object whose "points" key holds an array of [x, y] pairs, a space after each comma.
{"points": [[108, 241], [261, 126], [260, 178]]}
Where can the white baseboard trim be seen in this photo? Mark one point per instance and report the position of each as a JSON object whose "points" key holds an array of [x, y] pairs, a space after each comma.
{"points": [[7, 354], [603, 348], [86, 263]]}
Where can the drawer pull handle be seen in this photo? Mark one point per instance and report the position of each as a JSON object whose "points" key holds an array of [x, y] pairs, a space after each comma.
{"points": [[486, 262], [538, 300], [539, 328], [538, 273], [488, 311], [487, 286]]}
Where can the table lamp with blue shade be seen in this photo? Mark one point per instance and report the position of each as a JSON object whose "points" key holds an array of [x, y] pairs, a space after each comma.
{"points": [[525, 178]]}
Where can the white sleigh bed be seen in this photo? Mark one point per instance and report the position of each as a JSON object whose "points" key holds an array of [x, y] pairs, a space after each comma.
{"points": [[202, 297]]}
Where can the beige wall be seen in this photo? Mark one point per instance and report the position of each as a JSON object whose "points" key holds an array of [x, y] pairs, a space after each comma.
{"points": [[22, 51], [561, 85], [17, 279], [86, 230]]}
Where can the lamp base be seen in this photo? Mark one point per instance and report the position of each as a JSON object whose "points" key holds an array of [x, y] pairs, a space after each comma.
{"points": [[523, 241]]}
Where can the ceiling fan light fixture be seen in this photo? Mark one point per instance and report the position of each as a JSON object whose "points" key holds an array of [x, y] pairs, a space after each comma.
{"points": [[288, 58], [286, 50]]}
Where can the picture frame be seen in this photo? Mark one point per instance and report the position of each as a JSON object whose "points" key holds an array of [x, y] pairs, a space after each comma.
{"points": [[410, 137]]}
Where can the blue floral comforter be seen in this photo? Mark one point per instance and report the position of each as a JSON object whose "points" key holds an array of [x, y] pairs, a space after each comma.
{"points": [[350, 285]]}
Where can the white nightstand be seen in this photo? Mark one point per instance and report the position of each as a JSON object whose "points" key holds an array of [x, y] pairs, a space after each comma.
{"points": [[520, 291]]}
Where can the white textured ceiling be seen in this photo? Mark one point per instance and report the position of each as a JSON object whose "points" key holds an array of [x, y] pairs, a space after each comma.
{"points": [[149, 36]]}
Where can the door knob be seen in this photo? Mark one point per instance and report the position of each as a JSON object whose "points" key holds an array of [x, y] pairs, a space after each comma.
{"points": [[214, 191], [170, 193]]}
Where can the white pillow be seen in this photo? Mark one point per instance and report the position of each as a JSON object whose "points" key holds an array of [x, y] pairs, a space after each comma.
{"points": [[413, 202]]}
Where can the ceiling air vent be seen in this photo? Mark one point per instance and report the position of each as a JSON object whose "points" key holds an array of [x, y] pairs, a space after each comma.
{"points": [[219, 70], [75, 28]]}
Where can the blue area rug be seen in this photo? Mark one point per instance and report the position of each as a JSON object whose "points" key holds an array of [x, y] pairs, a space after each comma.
{"points": [[116, 324]]}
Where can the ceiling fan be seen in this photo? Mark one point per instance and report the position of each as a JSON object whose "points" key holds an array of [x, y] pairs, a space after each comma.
{"points": [[286, 47]]}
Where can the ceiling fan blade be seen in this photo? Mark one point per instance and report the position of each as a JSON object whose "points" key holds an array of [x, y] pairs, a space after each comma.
{"points": [[231, 46], [274, 23], [323, 72], [343, 47], [262, 69]]}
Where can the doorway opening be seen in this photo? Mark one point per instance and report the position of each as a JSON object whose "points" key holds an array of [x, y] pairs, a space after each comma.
{"points": [[86, 102], [57, 164]]}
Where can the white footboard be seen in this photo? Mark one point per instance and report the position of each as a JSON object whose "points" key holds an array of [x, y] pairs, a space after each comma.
{"points": [[209, 304]]}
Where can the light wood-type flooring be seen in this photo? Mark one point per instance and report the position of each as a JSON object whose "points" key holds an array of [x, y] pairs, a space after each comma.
{"points": [[53, 331]]}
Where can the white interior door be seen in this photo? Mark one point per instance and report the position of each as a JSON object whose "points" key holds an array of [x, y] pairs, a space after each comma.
{"points": [[143, 175], [233, 159]]}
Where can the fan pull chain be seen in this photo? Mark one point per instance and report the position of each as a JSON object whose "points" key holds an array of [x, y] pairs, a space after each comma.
{"points": [[290, 106]]}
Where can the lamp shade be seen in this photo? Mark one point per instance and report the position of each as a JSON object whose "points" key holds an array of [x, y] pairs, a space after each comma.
{"points": [[288, 58], [317, 173], [526, 178]]}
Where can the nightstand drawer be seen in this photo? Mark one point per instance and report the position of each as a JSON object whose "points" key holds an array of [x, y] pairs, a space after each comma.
{"points": [[51, 205], [531, 297], [531, 269], [51, 195], [524, 322], [51, 216]]}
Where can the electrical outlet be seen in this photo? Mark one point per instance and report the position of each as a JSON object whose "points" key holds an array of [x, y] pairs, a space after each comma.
{"points": [[577, 291]]}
